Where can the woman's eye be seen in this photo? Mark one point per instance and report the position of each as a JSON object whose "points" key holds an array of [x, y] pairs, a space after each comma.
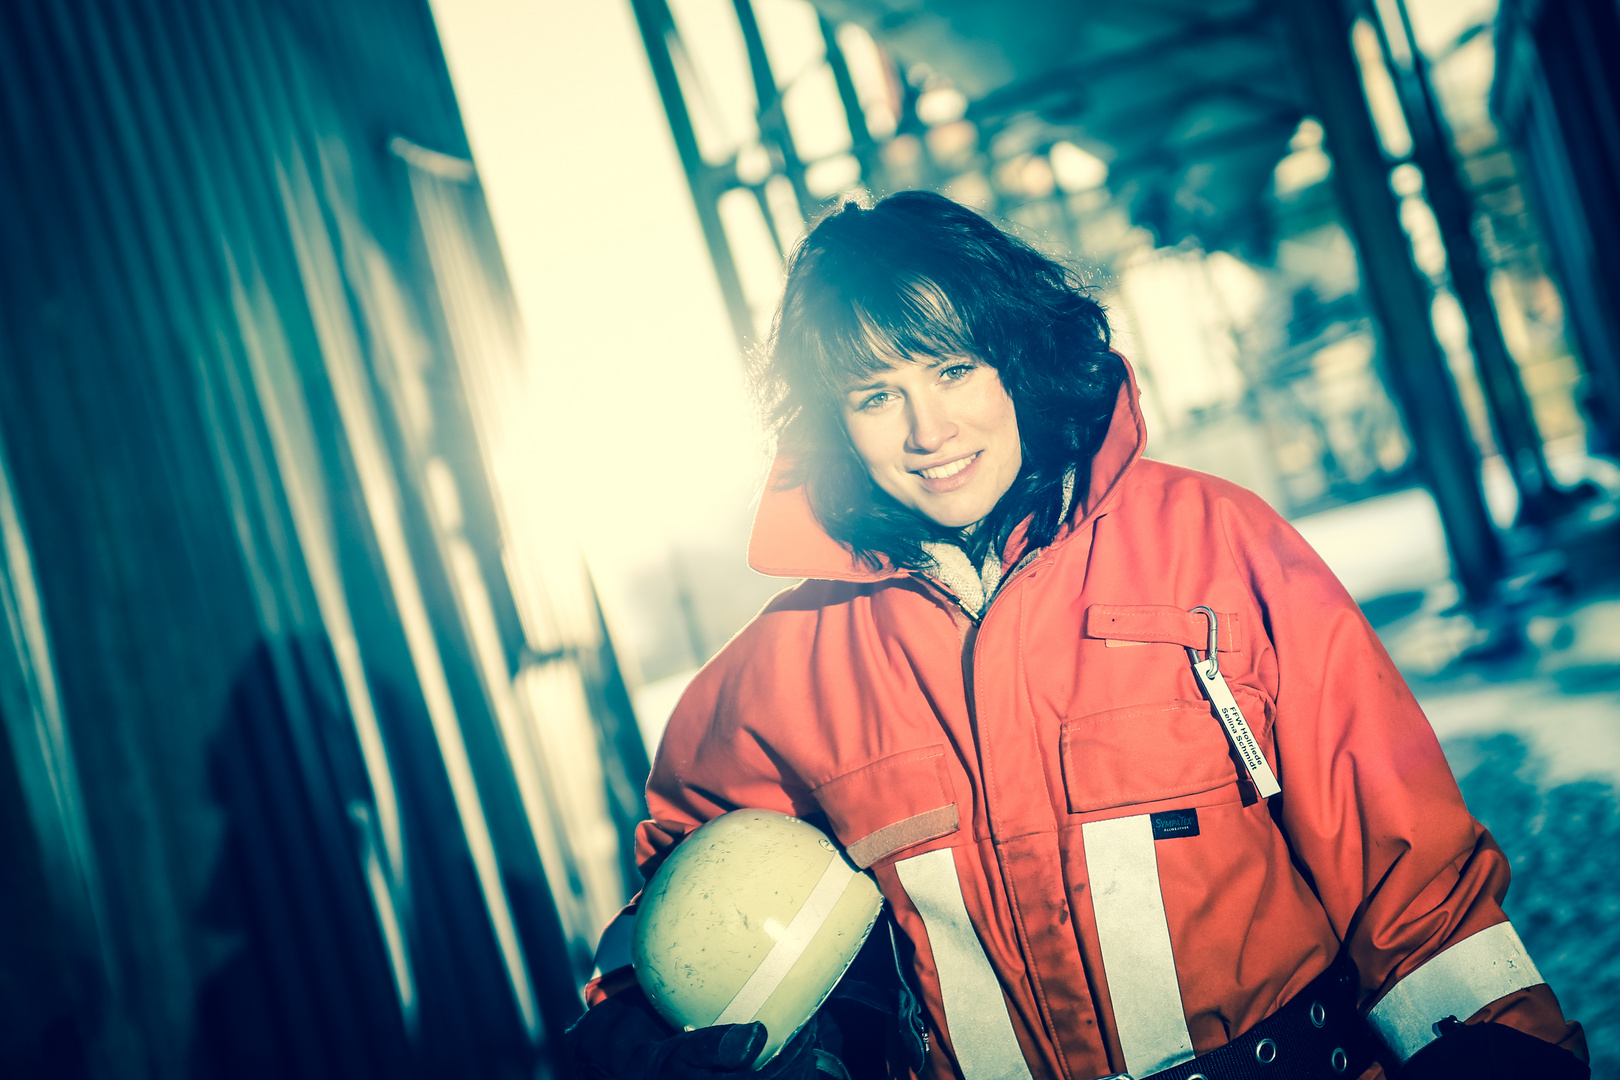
{"points": [[874, 401], [956, 371]]}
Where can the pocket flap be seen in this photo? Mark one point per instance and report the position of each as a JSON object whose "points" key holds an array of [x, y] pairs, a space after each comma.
{"points": [[1145, 753], [1162, 623], [893, 803]]}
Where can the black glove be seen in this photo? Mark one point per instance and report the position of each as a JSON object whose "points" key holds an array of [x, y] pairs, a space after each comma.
{"points": [[1491, 1052], [624, 1038]]}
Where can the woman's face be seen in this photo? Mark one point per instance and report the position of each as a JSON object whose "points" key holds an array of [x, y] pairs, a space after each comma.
{"points": [[939, 435]]}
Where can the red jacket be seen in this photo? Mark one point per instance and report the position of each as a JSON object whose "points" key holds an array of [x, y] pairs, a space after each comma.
{"points": [[999, 777]]}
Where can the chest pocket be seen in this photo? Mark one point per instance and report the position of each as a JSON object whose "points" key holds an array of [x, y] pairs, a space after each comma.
{"points": [[1145, 753], [894, 803], [1163, 750]]}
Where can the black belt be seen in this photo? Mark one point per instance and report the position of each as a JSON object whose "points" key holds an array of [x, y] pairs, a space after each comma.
{"points": [[1318, 1035]]}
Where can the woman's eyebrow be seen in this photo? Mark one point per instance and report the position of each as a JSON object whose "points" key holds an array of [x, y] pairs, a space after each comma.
{"points": [[877, 380], [871, 380]]}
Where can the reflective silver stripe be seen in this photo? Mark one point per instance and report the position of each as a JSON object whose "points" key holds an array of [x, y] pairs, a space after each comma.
{"points": [[1458, 982], [975, 1014], [791, 944], [613, 948], [1135, 938]]}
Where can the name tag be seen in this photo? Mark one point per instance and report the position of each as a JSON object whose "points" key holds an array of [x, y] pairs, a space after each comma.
{"points": [[1232, 719]]}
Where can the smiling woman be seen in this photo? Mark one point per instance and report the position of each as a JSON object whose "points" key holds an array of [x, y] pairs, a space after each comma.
{"points": [[938, 437], [1234, 844], [913, 335]]}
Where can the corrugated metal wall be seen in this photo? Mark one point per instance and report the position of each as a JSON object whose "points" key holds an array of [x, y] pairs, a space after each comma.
{"points": [[279, 788]]}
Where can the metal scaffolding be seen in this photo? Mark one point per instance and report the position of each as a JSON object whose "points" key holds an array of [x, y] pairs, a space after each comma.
{"points": [[1189, 110]]}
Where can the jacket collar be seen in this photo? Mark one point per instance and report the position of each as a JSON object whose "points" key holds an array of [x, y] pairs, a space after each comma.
{"points": [[788, 541]]}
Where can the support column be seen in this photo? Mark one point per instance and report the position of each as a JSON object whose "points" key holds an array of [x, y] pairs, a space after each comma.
{"points": [[771, 116], [1540, 498], [1399, 295], [659, 36]]}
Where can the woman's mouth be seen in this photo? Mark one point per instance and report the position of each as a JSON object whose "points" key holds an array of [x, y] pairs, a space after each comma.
{"points": [[951, 475], [950, 468]]}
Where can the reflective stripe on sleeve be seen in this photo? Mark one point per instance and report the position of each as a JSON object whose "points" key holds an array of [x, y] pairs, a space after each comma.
{"points": [[975, 1012], [1135, 938], [1458, 982], [613, 949]]}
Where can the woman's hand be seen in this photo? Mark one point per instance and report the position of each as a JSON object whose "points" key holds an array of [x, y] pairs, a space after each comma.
{"points": [[1491, 1052], [624, 1038]]}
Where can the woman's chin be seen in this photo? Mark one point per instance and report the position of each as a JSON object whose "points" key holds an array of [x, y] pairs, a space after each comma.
{"points": [[958, 514]]}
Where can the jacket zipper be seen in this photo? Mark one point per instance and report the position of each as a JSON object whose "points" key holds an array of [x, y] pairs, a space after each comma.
{"points": [[976, 628]]}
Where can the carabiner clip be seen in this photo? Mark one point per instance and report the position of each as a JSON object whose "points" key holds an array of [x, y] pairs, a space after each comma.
{"points": [[1214, 640]]}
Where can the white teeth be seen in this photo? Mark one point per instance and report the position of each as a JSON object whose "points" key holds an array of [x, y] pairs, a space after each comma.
{"points": [[952, 469]]}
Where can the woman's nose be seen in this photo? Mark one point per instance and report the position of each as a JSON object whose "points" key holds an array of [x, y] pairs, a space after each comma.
{"points": [[931, 427]]}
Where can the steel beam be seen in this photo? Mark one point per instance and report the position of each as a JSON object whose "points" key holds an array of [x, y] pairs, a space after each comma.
{"points": [[1397, 292], [1541, 499], [660, 37]]}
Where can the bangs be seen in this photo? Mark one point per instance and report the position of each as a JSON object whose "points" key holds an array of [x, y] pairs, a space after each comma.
{"points": [[915, 321]]}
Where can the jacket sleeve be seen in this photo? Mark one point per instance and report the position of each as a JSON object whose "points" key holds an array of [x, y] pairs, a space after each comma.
{"points": [[1408, 878], [714, 757]]}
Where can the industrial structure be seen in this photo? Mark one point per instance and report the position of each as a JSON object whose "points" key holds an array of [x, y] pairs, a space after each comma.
{"points": [[1241, 126], [315, 757], [1558, 98]]}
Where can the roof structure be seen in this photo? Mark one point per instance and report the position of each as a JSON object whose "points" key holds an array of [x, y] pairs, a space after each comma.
{"points": [[1191, 102]]}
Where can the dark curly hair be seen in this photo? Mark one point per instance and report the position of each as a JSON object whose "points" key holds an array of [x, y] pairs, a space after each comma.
{"points": [[918, 276]]}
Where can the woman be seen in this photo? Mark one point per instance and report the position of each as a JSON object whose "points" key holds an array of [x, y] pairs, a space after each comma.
{"points": [[995, 683]]}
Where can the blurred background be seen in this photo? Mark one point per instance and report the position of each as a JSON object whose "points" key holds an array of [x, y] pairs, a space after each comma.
{"points": [[376, 466]]}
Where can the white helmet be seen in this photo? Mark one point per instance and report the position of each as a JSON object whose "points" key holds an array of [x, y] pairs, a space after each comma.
{"points": [[755, 916]]}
